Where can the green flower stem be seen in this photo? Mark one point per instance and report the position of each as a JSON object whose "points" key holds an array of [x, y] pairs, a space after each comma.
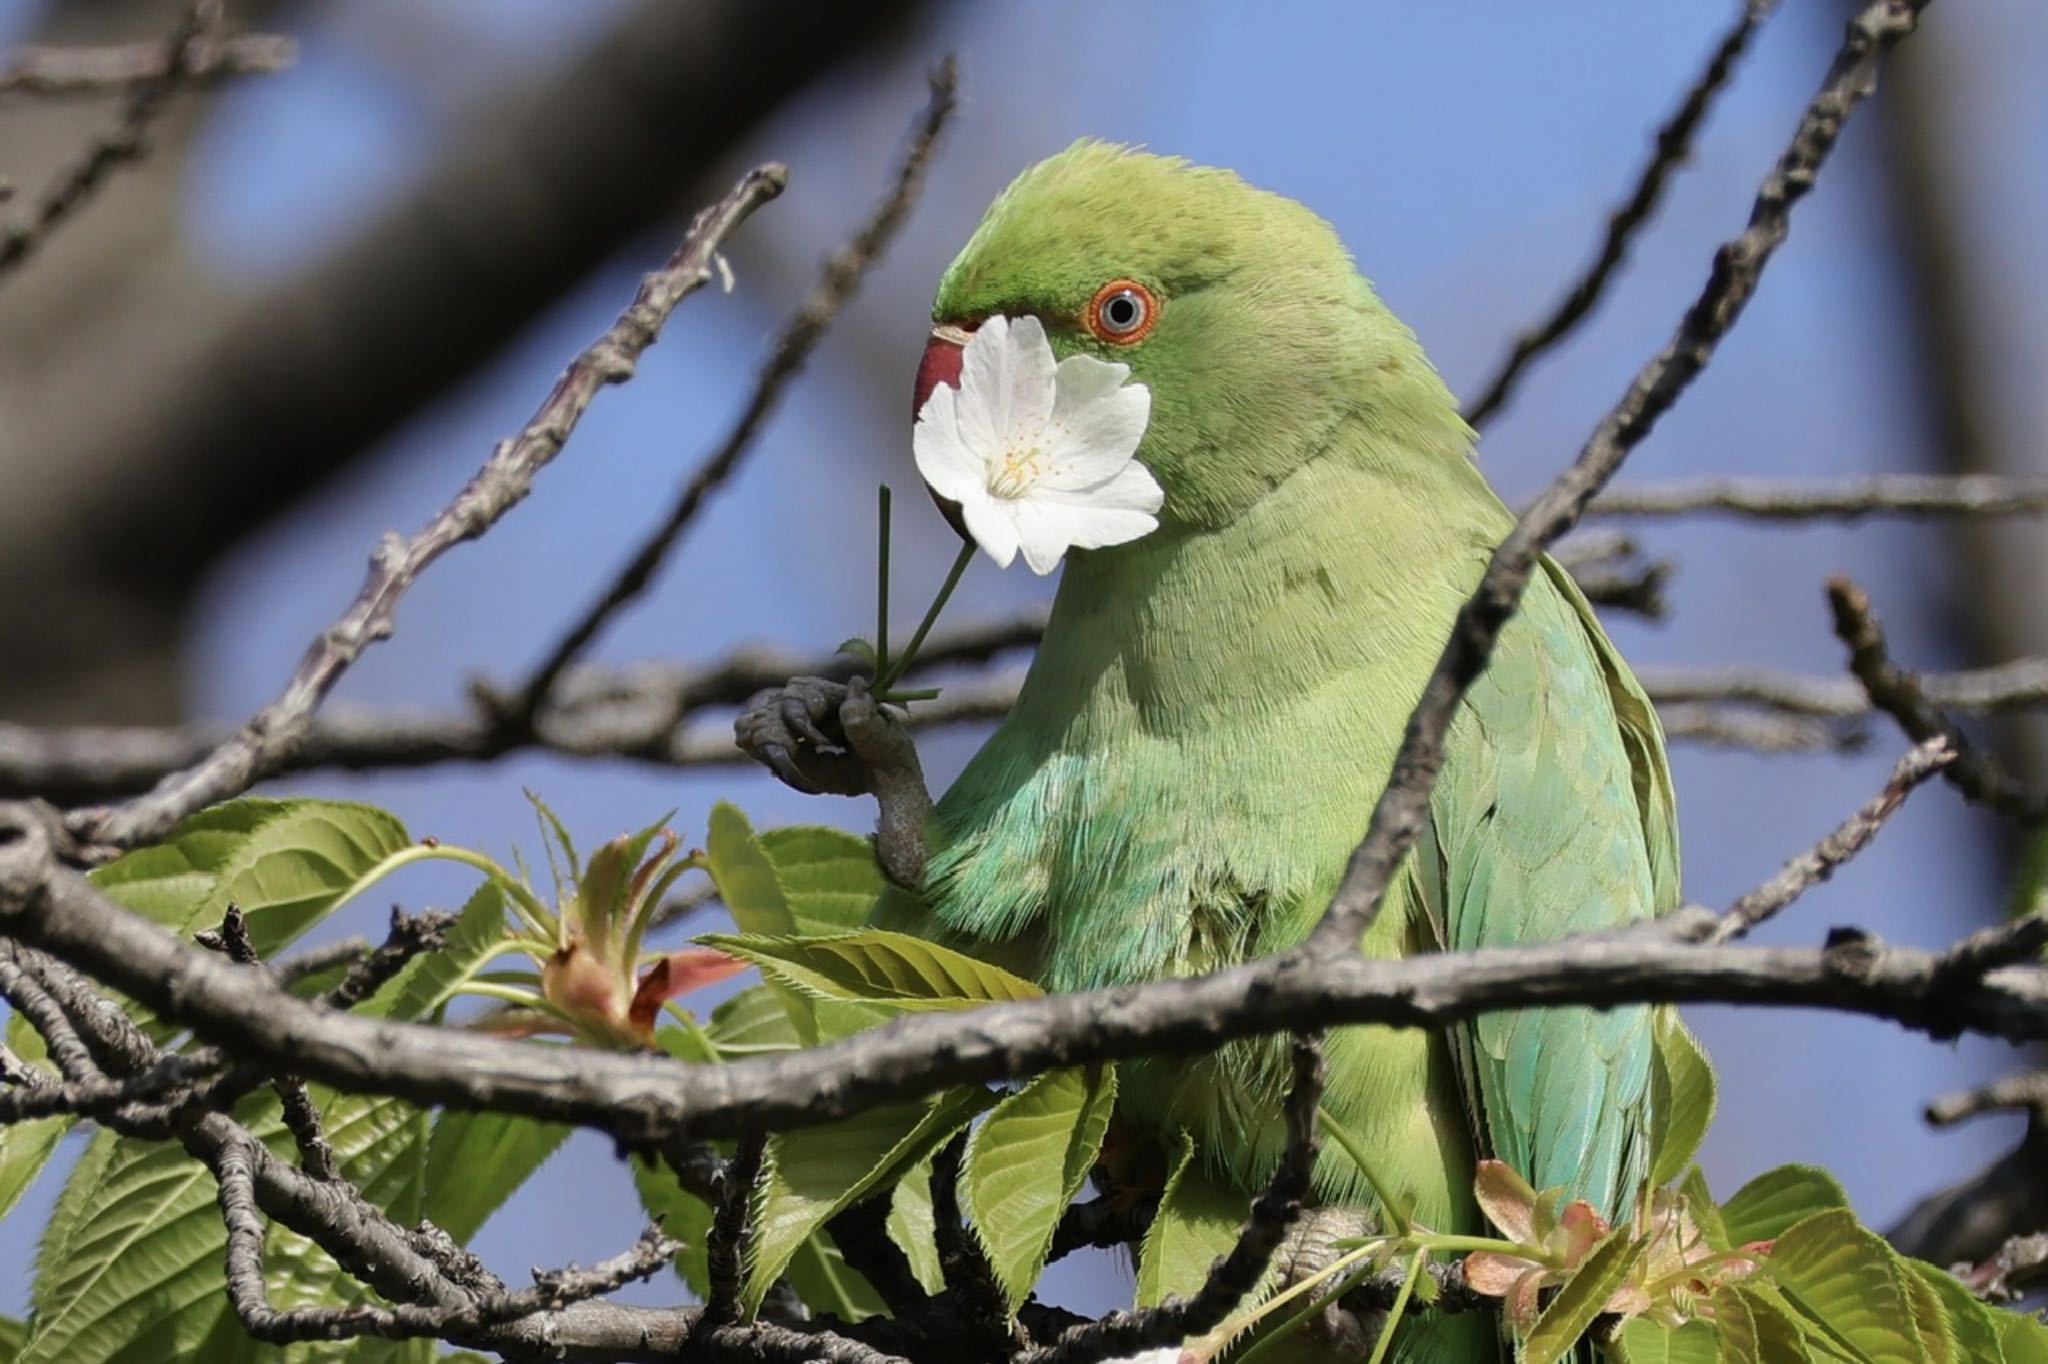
{"points": [[882, 585], [1336, 1132], [525, 903], [1237, 1325], [510, 994], [1400, 1308], [887, 674]]}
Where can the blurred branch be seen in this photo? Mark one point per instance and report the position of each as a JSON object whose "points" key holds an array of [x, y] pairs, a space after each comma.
{"points": [[1673, 145], [1773, 499], [207, 59], [1972, 1220], [502, 483], [800, 334], [637, 713], [118, 497], [125, 142]]}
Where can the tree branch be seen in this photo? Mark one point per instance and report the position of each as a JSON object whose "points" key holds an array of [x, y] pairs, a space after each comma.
{"points": [[206, 60], [1851, 499]]}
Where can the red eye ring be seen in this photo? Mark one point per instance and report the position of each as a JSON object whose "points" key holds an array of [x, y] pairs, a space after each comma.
{"points": [[1122, 313]]}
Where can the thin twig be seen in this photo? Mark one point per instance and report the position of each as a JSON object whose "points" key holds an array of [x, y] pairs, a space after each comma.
{"points": [[503, 481], [1673, 145], [1738, 266], [1819, 862], [1852, 499], [725, 1249], [842, 276], [206, 60]]}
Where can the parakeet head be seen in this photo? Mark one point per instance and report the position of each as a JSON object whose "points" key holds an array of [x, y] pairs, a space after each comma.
{"points": [[1240, 310]]}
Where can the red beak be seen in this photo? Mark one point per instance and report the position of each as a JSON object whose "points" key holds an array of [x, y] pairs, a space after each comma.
{"points": [[941, 365]]}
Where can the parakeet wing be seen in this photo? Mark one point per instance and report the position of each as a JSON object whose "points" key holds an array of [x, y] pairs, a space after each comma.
{"points": [[1554, 817]]}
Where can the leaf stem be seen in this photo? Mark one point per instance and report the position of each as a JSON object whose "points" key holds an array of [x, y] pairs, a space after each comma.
{"points": [[1400, 1308], [1336, 1131], [882, 586]]}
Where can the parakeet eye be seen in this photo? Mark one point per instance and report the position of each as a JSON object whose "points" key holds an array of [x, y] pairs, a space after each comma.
{"points": [[1122, 312]]}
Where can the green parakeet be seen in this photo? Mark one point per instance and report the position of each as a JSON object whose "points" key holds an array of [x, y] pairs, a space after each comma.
{"points": [[1216, 705]]}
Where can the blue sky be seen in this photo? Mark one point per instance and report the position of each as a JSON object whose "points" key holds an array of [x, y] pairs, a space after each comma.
{"points": [[1468, 154]]}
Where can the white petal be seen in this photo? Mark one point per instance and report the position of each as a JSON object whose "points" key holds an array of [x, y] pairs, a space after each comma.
{"points": [[1091, 443], [943, 459], [1131, 488], [1043, 532], [1006, 383], [1092, 527], [992, 525]]}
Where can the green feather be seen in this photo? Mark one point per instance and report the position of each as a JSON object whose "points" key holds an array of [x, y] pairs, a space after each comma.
{"points": [[1216, 706]]}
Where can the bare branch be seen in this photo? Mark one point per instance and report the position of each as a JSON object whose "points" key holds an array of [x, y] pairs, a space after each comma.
{"points": [[207, 60], [502, 482], [1852, 499], [1673, 146], [842, 276], [1738, 265]]}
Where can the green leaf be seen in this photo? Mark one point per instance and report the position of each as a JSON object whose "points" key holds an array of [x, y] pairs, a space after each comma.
{"points": [[751, 1023], [1755, 1330], [1199, 1220], [744, 876], [475, 1161], [858, 649], [1699, 1202], [2024, 1340], [1581, 1299], [1776, 1199], [827, 1283], [1973, 1321], [829, 877], [681, 1214], [898, 971], [1026, 1162], [1682, 1097], [1848, 1282], [12, 1333], [1645, 1342], [814, 1173], [913, 1226]]}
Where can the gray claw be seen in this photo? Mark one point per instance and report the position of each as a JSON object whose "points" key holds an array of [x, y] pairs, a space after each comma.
{"points": [[777, 757], [796, 714]]}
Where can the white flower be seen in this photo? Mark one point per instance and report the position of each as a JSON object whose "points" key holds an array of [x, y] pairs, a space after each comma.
{"points": [[1039, 455]]}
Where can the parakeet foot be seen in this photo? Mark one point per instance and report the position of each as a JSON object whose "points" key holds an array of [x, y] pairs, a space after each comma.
{"points": [[824, 737]]}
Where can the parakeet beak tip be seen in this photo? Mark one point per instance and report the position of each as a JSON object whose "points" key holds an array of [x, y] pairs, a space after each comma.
{"points": [[941, 365]]}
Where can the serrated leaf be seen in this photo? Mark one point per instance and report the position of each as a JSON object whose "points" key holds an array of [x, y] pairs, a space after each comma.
{"points": [[1847, 1282], [814, 1173], [859, 649], [913, 1226], [1199, 1220], [751, 1023], [1026, 1162], [829, 877], [1776, 1199], [1646, 1342], [1581, 1299], [285, 863], [1754, 1330], [1699, 1205], [876, 967], [744, 876], [1682, 1097], [12, 1332], [1969, 1317]]}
